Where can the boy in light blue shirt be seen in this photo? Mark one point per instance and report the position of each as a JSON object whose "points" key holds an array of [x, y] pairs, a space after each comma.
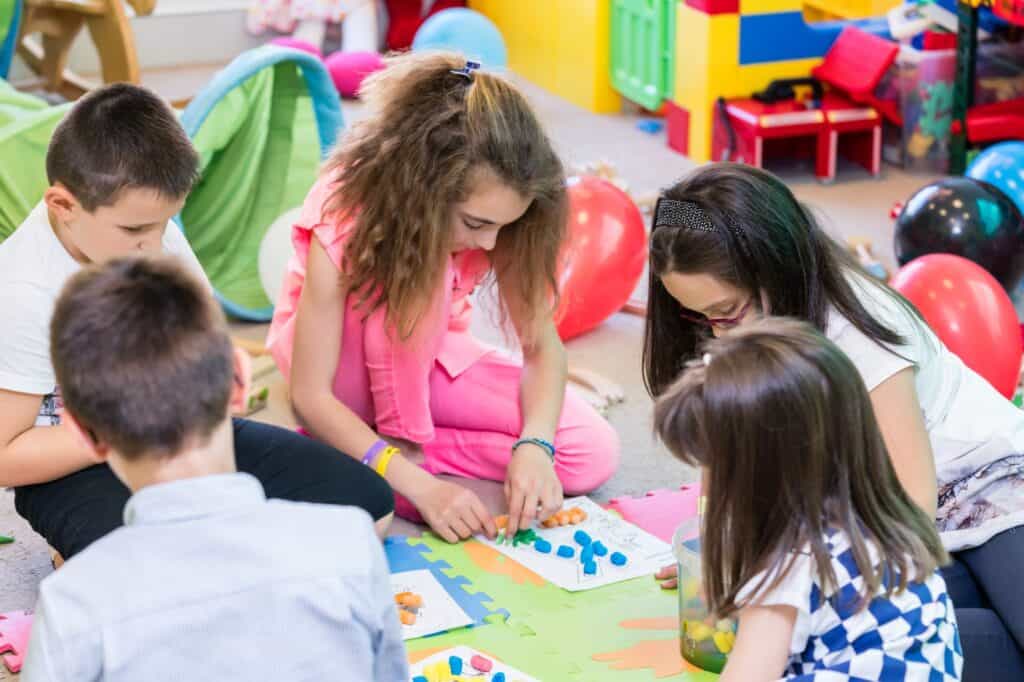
{"points": [[207, 580]]}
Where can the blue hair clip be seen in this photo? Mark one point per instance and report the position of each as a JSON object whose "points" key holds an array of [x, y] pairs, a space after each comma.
{"points": [[467, 70]]}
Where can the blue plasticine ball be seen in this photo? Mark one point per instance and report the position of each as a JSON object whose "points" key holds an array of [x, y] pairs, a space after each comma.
{"points": [[566, 552], [455, 663], [463, 30], [599, 549], [618, 559], [581, 538]]}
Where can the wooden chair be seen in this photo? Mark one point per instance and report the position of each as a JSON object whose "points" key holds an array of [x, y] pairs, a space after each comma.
{"points": [[60, 21]]}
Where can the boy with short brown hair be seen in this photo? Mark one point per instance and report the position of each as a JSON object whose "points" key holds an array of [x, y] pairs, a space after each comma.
{"points": [[208, 580]]}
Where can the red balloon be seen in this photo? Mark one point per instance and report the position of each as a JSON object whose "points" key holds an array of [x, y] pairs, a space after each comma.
{"points": [[603, 258], [969, 310]]}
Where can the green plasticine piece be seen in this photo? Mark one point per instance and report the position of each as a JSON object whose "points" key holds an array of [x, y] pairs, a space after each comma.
{"points": [[4, 540], [525, 537]]}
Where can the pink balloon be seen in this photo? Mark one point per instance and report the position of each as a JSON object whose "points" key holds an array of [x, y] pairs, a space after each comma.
{"points": [[296, 44], [970, 311], [348, 69], [604, 257]]}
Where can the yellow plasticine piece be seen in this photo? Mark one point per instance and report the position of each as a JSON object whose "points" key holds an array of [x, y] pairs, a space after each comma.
{"points": [[724, 641], [698, 631], [439, 672]]}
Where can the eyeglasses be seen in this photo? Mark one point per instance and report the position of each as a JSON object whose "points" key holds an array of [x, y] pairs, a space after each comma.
{"points": [[720, 322]]}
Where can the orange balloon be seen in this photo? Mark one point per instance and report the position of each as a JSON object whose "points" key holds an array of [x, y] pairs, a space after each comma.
{"points": [[969, 310], [603, 258]]}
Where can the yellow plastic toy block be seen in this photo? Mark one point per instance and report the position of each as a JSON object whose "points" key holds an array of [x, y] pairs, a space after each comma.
{"points": [[836, 10], [564, 46]]}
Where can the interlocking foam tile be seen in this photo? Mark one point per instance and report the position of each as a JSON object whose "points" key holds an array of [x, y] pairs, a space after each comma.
{"points": [[15, 628], [510, 644], [659, 512], [626, 632], [405, 556]]}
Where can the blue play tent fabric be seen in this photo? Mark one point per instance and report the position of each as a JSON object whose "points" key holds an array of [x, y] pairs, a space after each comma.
{"points": [[262, 127], [10, 22]]}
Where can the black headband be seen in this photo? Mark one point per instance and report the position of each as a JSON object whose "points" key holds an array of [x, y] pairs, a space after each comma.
{"points": [[673, 213], [690, 216]]}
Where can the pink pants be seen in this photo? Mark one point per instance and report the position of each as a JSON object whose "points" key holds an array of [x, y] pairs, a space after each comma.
{"points": [[460, 401], [477, 419]]}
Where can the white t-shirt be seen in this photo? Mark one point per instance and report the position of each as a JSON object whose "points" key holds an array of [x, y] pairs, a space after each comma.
{"points": [[977, 435], [34, 266]]}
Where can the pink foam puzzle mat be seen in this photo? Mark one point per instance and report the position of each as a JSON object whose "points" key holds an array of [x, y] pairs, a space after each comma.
{"points": [[660, 512], [15, 627]]}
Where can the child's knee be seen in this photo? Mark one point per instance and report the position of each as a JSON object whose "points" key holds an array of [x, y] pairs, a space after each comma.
{"points": [[589, 459]]}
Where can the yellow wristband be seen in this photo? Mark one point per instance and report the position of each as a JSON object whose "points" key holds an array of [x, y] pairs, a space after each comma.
{"points": [[385, 458]]}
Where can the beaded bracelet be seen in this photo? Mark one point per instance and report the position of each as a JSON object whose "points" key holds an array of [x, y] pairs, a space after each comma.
{"points": [[547, 446]]}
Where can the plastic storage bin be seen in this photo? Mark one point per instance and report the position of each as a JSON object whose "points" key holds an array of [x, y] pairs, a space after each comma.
{"points": [[922, 82]]}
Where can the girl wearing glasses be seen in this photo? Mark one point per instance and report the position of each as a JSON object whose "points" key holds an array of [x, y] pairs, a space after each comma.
{"points": [[730, 243]]}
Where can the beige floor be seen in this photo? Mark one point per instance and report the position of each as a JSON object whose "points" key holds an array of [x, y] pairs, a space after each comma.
{"points": [[856, 205]]}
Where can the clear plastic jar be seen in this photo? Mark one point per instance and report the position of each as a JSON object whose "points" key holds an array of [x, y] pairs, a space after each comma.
{"points": [[704, 640]]}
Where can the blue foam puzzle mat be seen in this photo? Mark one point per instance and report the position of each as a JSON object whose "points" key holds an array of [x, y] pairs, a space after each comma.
{"points": [[403, 556]]}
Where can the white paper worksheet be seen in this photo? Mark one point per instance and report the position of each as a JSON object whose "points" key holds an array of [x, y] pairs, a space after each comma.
{"points": [[645, 553], [439, 612], [466, 654]]}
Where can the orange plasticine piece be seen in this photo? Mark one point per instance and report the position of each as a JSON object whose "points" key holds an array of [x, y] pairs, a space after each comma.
{"points": [[565, 517], [501, 521], [409, 600], [407, 617]]}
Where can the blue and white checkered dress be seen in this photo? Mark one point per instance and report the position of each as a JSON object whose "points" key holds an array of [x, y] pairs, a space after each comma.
{"points": [[909, 636]]}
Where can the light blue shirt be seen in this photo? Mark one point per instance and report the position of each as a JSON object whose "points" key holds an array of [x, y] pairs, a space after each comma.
{"points": [[209, 580]]}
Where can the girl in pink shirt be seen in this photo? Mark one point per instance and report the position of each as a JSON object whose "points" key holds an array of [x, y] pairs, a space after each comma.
{"points": [[450, 183]]}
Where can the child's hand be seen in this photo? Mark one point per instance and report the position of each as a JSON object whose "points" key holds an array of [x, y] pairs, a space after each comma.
{"points": [[532, 488], [453, 512], [668, 575]]}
